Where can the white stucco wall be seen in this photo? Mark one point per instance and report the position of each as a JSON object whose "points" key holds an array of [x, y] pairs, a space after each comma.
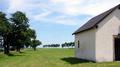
{"points": [[104, 37], [87, 45]]}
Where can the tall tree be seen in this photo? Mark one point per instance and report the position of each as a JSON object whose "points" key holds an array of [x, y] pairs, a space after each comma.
{"points": [[5, 30], [20, 26]]}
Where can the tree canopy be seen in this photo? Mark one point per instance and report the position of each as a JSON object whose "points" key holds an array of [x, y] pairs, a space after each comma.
{"points": [[16, 32], [35, 43]]}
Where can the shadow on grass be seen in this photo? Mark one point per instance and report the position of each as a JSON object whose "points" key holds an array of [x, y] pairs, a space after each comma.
{"points": [[14, 55], [73, 60], [21, 52]]}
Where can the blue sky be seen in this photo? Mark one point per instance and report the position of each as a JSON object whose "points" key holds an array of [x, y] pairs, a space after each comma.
{"points": [[56, 20]]}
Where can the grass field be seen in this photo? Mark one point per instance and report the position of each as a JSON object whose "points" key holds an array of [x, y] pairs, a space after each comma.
{"points": [[48, 58]]}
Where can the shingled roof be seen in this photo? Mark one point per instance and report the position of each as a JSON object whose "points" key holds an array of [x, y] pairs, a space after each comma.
{"points": [[95, 20]]}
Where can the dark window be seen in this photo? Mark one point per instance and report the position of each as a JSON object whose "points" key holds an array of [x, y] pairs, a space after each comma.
{"points": [[78, 44]]}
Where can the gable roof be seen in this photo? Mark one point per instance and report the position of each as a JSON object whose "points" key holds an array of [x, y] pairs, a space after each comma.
{"points": [[95, 20]]}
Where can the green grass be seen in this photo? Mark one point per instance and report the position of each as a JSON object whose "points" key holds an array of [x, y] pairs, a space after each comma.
{"points": [[48, 58]]}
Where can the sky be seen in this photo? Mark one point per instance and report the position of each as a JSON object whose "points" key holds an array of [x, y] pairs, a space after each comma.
{"points": [[56, 20]]}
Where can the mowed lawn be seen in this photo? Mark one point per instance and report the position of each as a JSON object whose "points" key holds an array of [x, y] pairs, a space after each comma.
{"points": [[48, 58]]}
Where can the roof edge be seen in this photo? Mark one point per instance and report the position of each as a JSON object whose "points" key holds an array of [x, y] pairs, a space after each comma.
{"points": [[118, 6]]}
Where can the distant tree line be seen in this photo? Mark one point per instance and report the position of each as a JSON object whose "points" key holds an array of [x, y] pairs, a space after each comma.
{"points": [[16, 32], [66, 44], [51, 45]]}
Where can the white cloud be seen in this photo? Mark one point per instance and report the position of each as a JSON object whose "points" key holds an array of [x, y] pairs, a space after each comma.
{"points": [[39, 11], [91, 7], [41, 16], [67, 2], [69, 7], [16, 5], [61, 20], [99, 6]]}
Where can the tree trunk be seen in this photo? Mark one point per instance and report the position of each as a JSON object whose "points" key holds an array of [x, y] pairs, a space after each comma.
{"points": [[6, 49], [18, 48], [6, 46], [34, 48]]}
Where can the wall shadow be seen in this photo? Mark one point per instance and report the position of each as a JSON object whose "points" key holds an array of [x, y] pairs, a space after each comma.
{"points": [[73, 60]]}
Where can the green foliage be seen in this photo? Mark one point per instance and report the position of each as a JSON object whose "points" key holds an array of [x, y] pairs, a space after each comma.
{"points": [[28, 35], [66, 44], [4, 24], [69, 44], [51, 45], [19, 18], [35, 43], [22, 33], [31, 33], [16, 31], [20, 26], [5, 31]]}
